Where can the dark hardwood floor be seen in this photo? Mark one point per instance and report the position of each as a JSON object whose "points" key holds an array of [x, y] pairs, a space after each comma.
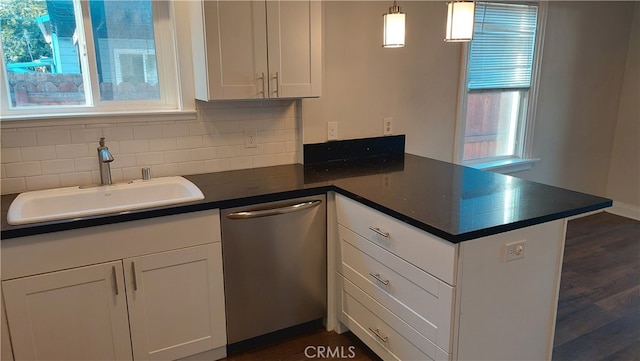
{"points": [[599, 306], [598, 310]]}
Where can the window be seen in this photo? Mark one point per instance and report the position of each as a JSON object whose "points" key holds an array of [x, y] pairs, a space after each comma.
{"points": [[499, 87], [72, 56]]}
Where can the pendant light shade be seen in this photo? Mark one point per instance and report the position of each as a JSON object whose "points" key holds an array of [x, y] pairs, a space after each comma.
{"points": [[394, 26], [460, 17]]}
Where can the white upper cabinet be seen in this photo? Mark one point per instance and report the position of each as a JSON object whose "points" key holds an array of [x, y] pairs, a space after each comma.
{"points": [[256, 49]]}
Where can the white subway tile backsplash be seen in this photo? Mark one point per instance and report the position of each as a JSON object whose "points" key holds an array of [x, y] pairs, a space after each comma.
{"points": [[53, 137], [147, 132], [253, 151], [162, 144], [75, 179], [227, 127], [123, 160], [58, 154], [86, 164], [58, 166], [189, 142], [11, 155], [86, 135], [194, 167], [272, 148], [149, 159], [216, 165], [215, 140], [132, 173], [164, 170], [18, 139], [13, 185], [230, 151], [134, 146], [175, 130], [203, 153], [43, 181], [38, 153], [266, 136], [266, 160], [240, 163], [23, 169], [177, 156], [285, 135], [118, 133], [71, 151]]}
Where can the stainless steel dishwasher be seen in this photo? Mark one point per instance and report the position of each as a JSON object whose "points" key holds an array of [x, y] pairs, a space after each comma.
{"points": [[275, 266]]}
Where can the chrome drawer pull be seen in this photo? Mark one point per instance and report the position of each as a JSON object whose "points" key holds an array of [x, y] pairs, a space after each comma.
{"points": [[380, 232], [376, 332], [379, 279]]}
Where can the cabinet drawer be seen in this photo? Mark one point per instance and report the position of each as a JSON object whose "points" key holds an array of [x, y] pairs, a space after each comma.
{"points": [[419, 299], [382, 331], [428, 252]]}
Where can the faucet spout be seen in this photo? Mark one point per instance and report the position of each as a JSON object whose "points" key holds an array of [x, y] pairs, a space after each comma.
{"points": [[104, 158]]}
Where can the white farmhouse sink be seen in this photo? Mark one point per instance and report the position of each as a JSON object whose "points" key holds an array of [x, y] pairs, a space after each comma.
{"points": [[74, 202]]}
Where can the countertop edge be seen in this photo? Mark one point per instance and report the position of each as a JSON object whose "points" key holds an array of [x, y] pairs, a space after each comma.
{"points": [[64, 225]]}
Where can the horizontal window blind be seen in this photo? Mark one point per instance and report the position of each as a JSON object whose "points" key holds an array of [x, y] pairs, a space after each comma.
{"points": [[501, 52]]}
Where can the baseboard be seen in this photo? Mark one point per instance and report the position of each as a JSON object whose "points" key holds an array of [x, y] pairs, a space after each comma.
{"points": [[625, 210]]}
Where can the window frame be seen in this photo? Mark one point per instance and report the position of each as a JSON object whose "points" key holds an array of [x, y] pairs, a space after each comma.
{"points": [[166, 50], [524, 158]]}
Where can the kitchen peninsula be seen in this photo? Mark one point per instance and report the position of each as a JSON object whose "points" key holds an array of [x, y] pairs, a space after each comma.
{"points": [[426, 259]]}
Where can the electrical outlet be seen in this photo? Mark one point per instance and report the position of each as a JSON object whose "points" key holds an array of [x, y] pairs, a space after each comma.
{"points": [[388, 126], [332, 130], [251, 138], [514, 250]]}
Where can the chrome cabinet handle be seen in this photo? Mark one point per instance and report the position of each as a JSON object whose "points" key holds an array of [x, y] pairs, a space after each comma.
{"points": [[264, 95], [376, 332], [379, 279], [277, 78], [380, 232], [115, 279], [135, 278], [274, 211]]}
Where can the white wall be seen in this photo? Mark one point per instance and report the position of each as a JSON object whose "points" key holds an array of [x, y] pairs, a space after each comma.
{"points": [[624, 171], [583, 67], [364, 83]]}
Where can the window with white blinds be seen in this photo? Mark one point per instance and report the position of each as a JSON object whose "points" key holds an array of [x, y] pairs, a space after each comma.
{"points": [[501, 53], [499, 92]]}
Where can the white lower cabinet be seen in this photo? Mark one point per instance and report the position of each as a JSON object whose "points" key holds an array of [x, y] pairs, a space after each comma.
{"points": [[77, 314], [411, 296], [175, 302], [164, 302]]}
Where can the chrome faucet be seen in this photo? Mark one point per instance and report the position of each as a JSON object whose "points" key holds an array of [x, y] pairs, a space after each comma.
{"points": [[104, 158]]}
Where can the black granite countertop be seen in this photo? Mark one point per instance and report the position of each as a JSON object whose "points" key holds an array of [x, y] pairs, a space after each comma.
{"points": [[450, 201]]}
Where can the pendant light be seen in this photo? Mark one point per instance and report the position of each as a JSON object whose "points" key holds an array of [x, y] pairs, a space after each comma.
{"points": [[460, 17], [393, 27]]}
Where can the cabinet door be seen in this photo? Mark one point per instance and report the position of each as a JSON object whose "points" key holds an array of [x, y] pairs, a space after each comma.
{"points": [[76, 314], [294, 43], [236, 50], [176, 302]]}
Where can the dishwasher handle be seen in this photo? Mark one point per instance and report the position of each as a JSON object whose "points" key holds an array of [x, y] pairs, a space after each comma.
{"points": [[274, 211]]}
